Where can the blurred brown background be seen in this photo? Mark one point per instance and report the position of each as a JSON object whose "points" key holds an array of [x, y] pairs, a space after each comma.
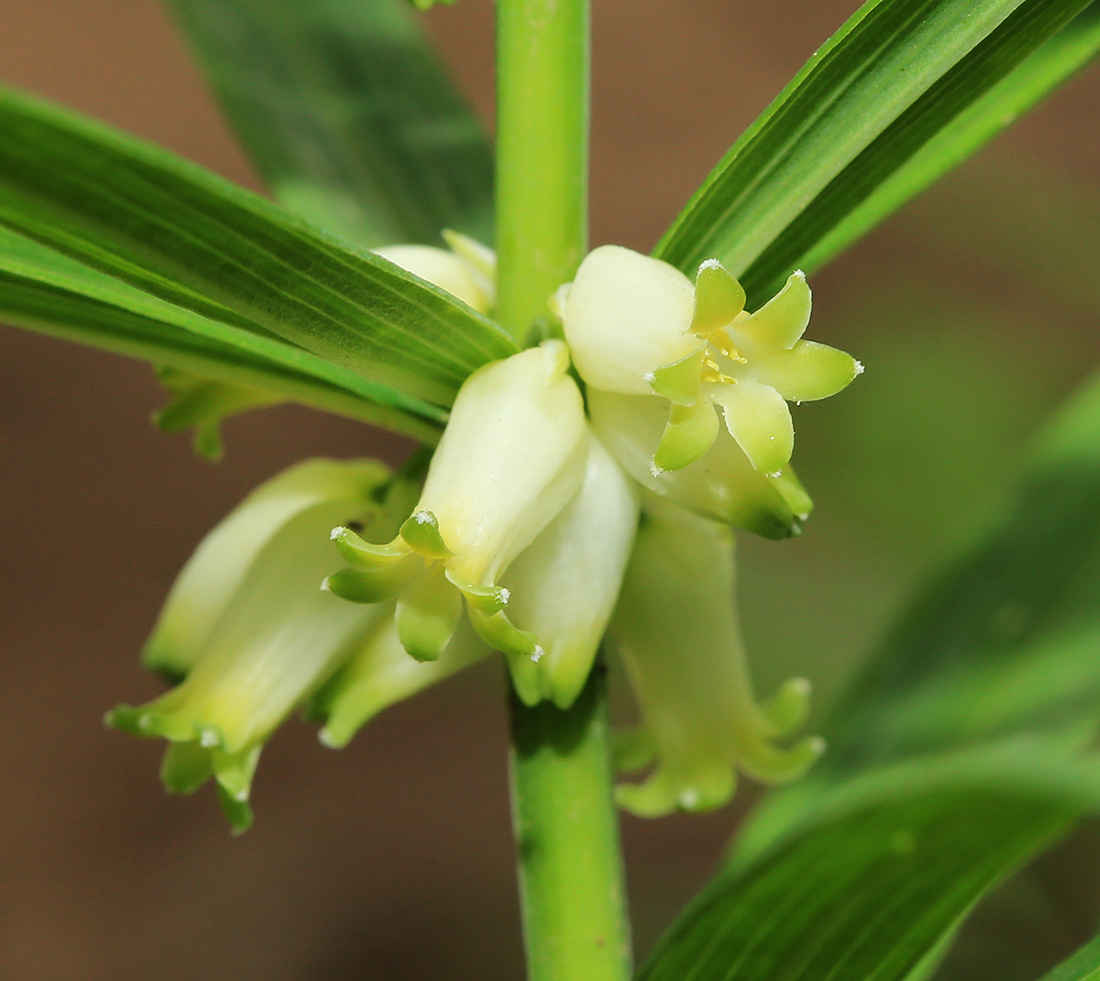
{"points": [[975, 311]]}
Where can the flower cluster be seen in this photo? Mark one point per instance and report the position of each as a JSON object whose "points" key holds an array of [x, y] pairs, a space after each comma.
{"points": [[548, 518]]}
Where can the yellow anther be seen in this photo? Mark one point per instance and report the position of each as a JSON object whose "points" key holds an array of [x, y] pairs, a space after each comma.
{"points": [[721, 340], [717, 378]]}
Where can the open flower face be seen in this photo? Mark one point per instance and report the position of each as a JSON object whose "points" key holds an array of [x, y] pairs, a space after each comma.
{"points": [[637, 326], [676, 629], [512, 456]]}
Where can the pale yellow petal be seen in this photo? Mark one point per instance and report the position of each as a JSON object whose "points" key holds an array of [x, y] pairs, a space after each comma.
{"points": [[758, 418], [782, 320], [808, 371]]}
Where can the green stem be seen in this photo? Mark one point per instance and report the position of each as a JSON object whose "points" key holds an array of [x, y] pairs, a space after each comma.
{"points": [[570, 862], [542, 153], [567, 834]]}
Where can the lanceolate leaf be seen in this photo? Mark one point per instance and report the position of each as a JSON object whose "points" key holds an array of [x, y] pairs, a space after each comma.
{"points": [[347, 115], [177, 231], [919, 148], [48, 292], [1082, 966], [889, 55]]}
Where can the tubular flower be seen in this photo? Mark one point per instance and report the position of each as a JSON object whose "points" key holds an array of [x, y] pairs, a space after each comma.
{"points": [[512, 456], [636, 326], [254, 637], [564, 585], [700, 721], [468, 271]]}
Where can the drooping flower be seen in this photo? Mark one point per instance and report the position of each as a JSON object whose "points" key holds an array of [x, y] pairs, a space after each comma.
{"points": [[564, 585], [676, 629], [253, 636], [512, 456], [637, 326]]}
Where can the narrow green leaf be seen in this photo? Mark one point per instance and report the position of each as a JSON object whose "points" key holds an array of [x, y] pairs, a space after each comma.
{"points": [[50, 293], [926, 142], [347, 115], [867, 894], [889, 58], [1082, 966], [176, 231]]}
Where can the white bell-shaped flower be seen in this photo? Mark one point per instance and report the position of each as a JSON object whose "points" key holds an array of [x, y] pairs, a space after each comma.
{"points": [[676, 629], [511, 457], [564, 585], [251, 630]]}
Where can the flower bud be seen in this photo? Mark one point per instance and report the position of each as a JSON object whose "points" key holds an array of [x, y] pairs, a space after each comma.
{"points": [[722, 485], [676, 629], [512, 455], [468, 271], [564, 585], [202, 404]]}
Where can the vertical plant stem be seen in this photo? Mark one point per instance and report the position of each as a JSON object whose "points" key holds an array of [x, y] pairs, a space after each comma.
{"points": [[542, 153], [570, 863]]}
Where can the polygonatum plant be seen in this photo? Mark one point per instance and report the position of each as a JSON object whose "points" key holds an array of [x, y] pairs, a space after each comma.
{"points": [[595, 425]]}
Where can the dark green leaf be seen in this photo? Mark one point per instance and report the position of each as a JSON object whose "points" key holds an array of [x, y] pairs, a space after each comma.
{"points": [[831, 223], [183, 234], [348, 116], [1082, 966], [873, 883], [45, 291], [921, 60], [921, 146]]}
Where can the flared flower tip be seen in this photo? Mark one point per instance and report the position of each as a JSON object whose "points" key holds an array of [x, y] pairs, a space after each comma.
{"points": [[511, 457]]}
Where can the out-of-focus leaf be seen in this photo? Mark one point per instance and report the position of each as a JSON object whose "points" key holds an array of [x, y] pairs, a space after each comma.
{"points": [[50, 293], [174, 230], [347, 115], [872, 884], [1007, 638], [924, 61], [1082, 966]]}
